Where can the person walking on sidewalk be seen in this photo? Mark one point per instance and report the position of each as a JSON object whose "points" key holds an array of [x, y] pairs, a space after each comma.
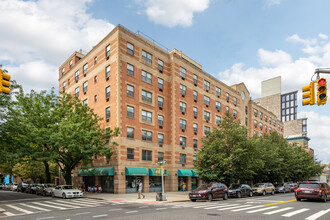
{"points": [[140, 190]]}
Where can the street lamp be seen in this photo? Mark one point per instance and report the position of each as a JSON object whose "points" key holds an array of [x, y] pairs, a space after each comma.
{"points": [[161, 196]]}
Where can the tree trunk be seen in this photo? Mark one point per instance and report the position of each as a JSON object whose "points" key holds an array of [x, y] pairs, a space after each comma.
{"points": [[67, 176], [47, 172]]}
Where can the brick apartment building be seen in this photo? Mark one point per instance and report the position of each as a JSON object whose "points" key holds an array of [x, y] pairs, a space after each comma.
{"points": [[163, 103]]}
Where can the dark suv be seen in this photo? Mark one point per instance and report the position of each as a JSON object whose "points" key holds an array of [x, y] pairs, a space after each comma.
{"points": [[313, 190], [209, 191]]}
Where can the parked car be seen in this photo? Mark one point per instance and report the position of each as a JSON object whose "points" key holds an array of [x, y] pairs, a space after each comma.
{"points": [[1, 186], [21, 187], [263, 189], [32, 188], [209, 191], [293, 186], [313, 190], [239, 190], [282, 188], [14, 187], [45, 189], [7, 186], [66, 191]]}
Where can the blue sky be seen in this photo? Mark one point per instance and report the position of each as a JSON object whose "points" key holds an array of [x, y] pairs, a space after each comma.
{"points": [[234, 40]]}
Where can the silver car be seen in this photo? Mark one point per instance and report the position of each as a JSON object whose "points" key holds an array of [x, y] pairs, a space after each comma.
{"points": [[282, 188], [66, 191]]}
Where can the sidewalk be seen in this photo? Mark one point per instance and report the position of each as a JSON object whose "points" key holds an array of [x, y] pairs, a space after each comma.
{"points": [[133, 197]]}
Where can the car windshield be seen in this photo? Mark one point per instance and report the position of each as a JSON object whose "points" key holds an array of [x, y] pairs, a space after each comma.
{"points": [[235, 186], [67, 187], [48, 185], [259, 185], [281, 184], [309, 185], [204, 186]]}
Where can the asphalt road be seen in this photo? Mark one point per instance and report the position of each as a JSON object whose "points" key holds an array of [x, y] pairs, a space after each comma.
{"points": [[280, 206]]}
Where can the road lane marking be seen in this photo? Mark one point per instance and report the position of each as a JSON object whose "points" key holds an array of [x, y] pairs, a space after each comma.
{"points": [[143, 207], [262, 209], [161, 208], [279, 210], [220, 206], [80, 204], [317, 215], [279, 202], [110, 210], [82, 213], [233, 207], [131, 212], [65, 205], [45, 218], [209, 205], [8, 213], [295, 212], [51, 206], [35, 207], [19, 209], [243, 209], [98, 216]]}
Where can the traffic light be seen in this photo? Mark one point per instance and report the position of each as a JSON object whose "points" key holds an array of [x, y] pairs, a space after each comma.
{"points": [[321, 91], [4, 82], [308, 94]]}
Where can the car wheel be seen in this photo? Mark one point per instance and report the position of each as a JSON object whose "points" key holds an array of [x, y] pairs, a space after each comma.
{"points": [[209, 197], [239, 195], [273, 192], [225, 197], [264, 193], [298, 199], [63, 196], [44, 193], [250, 194], [53, 195], [193, 200], [325, 198]]}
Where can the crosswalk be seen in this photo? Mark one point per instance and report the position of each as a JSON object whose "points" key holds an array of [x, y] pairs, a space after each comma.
{"points": [[18, 209], [285, 212]]}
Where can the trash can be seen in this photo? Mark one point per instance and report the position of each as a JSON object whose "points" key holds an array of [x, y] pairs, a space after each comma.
{"points": [[161, 197]]}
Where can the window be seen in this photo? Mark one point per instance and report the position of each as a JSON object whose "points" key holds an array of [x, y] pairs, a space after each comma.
{"points": [[265, 128], [107, 51], [130, 49], [182, 158], [68, 82], [227, 97], [261, 126], [160, 102], [235, 113], [218, 106], [160, 120], [160, 156], [130, 132], [146, 135], [182, 72], [207, 130], [160, 83], [146, 77], [255, 123], [195, 143], [227, 109], [146, 116], [63, 85], [206, 116], [107, 92], [255, 112], [274, 122], [146, 57], [260, 134], [183, 124], [107, 72], [63, 70], [160, 139], [217, 120], [266, 118], [206, 85], [95, 60], [235, 101], [77, 92], [85, 102], [160, 65], [255, 133], [195, 79], [147, 155], [146, 96], [195, 127], [130, 111], [95, 79], [194, 159], [85, 68], [183, 90], [130, 154], [130, 90], [270, 120], [218, 91], [130, 69], [107, 113], [95, 98], [76, 75], [261, 115], [206, 100], [70, 64], [195, 111], [183, 107], [270, 130], [85, 86], [195, 94], [183, 141]]}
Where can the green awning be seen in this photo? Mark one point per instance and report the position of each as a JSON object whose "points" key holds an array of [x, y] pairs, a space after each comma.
{"points": [[136, 171], [194, 173], [103, 171], [185, 173], [152, 172]]}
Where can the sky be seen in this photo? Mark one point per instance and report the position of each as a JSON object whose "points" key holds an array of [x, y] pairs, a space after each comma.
{"points": [[234, 40]]}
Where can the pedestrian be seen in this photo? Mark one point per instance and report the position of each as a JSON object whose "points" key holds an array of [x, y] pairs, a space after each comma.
{"points": [[100, 189], [89, 189], [184, 186], [140, 190]]}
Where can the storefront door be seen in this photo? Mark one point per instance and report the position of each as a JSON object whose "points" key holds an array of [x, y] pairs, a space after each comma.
{"points": [[107, 183], [155, 183], [132, 183], [194, 183], [182, 184]]}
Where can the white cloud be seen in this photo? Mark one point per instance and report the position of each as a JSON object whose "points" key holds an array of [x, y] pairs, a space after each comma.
{"points": [[44, 33], [296, 39], [171, 13], [323, 36], [276, 58], [273, 2]]}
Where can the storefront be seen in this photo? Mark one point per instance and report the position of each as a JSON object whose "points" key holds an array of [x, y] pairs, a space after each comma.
{"points": [[194, 180], [133, 175], [99, 176], [155, 180], [183, 179]]}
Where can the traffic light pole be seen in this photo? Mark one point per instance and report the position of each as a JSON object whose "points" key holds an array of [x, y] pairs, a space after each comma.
{"points": [[321, 70]]}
